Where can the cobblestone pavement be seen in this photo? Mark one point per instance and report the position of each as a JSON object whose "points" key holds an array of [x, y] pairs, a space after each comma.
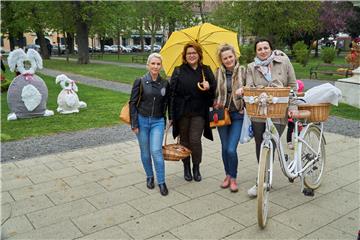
{"points": [[100, 193]]}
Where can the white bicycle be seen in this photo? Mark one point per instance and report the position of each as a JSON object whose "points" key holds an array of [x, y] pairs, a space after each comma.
{"points": [[307, 162]]}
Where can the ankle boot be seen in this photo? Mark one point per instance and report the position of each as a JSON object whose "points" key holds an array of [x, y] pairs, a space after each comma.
{"points": [[196, 172], [187, 170], [150, 182], [163, 189]]}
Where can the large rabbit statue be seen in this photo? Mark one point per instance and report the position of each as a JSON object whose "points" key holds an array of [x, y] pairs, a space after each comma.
{"points": [[27, 95], [68, 100]]}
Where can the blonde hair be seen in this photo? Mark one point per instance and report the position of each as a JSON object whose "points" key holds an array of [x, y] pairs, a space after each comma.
{"points": [[154, 55], [223, 48]]}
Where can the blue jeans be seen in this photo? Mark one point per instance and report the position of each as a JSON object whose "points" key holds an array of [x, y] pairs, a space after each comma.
{"points": [[229, 136], [150, 137]]}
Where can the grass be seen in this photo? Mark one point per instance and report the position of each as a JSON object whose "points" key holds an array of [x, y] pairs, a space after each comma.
{"points": [[345, 111], [302, 72], [103, 107], [101, 71]]}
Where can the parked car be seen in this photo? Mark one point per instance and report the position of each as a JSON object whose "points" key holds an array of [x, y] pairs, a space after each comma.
{"points": [[33, 46], [157, 48], [55, 49], [135, 48]]}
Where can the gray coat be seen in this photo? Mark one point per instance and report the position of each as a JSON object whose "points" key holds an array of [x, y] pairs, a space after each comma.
{"points": [[282, 72]]}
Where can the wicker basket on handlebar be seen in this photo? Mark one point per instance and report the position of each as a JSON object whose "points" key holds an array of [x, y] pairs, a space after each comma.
{"points": [[319, 112], [276, 104]]}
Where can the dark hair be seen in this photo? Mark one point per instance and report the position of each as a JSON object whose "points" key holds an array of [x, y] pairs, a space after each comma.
{"points": [[262, 40], [197, 48]]}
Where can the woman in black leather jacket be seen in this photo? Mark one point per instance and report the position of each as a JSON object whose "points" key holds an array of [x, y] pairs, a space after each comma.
{"points": [[150, 97], [190, 105]]}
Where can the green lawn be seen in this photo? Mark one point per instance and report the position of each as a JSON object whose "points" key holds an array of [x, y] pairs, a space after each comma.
{"points": [[302, 72], [102, 110], [101, 71], [345, 111]]}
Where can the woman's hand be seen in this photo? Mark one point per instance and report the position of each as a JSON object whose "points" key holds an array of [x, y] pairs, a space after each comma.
{"points": [[206, 85], [239, 91], [135, 130]]}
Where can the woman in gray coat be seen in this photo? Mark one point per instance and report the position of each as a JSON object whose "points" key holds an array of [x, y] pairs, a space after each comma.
{"points": [[270, 68]]}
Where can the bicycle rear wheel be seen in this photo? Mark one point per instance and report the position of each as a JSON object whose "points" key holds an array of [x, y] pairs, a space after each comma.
{"points": [[263, 189], [313, 175]]}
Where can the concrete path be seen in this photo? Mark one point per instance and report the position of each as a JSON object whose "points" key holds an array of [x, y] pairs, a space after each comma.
{"points": [[100, 193]]}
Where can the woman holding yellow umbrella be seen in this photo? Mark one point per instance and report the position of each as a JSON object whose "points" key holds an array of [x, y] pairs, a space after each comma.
{"points": [[192, 93]]}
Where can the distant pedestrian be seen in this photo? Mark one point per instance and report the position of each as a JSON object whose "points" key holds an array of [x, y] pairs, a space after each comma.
{"points": [[149, 100], [49, 48]]}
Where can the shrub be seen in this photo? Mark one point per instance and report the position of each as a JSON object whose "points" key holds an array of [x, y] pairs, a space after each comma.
{"points": [[247, 54], [328, 54], [5, 85], [301, 53]]}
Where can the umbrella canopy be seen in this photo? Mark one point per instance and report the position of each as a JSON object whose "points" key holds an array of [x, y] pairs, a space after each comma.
{"points": [[207, 35]]}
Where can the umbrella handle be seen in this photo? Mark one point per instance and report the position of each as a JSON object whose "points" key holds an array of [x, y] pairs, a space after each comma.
{"points": [[199, 84]]}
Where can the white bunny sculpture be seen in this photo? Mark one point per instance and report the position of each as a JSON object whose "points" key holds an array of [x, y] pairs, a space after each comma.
{"points": [[27, 95], [68, 100]]}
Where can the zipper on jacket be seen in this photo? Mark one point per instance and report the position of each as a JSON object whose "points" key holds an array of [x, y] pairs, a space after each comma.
{"points": [[153, 105]]}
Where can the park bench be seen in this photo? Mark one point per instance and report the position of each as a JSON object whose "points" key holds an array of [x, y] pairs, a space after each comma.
{"points": [[139, 59], [330, 69]]}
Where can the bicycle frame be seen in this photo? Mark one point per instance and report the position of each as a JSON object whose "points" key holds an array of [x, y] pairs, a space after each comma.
{"points": [[291, 168]]}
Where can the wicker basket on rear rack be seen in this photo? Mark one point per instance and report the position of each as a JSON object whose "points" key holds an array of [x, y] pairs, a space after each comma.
{"points": [[319, 111], [277, 101]]}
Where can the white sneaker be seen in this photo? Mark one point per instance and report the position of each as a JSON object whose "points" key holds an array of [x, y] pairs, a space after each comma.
{"points": [[252, 192]]}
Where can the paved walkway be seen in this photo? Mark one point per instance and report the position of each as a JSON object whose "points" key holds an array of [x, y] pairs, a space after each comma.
{"points": [[100, 193]]}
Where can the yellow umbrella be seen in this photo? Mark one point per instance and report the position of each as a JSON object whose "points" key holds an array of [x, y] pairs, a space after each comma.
{"points": [[207, 35]]}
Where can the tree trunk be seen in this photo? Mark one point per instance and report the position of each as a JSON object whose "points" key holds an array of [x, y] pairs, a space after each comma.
{"points": [[82, 35], [43, 45], [70, 42], [316, 48], [12, 41], [203, 20]]}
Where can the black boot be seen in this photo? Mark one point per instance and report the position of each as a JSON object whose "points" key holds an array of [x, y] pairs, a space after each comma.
{"points": [[163, 189], [187, 169], [150, 182], [196, 172]]}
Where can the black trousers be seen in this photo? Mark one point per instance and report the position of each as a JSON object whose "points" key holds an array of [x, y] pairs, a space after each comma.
{"points": [[259, 129], [291, 127], [191, 129]]}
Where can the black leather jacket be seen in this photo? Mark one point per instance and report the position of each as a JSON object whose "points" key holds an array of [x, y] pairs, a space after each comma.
{"points": [[154, 98]]}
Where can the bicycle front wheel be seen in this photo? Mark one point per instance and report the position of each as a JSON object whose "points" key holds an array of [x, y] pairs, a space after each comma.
{"points": [[264, 186], [312, 176]]}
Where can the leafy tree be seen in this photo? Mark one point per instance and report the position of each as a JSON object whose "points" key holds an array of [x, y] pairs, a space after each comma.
{"points": [[274, 20]]}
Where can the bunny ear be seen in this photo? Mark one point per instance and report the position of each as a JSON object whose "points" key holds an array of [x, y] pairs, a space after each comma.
{"points": [[14, 57], [61, 78], [35, 56]]}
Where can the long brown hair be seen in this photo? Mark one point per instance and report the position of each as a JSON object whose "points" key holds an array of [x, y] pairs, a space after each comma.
{"points": [[197, 48]]}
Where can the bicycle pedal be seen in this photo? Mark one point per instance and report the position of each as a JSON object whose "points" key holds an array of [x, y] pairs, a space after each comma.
{"points": [[309, 192]]}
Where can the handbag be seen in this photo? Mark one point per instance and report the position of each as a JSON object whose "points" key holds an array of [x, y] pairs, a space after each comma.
{"points": [[175, 151], [219, 117], [247, 132], [125, 110], [125, 113]]}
